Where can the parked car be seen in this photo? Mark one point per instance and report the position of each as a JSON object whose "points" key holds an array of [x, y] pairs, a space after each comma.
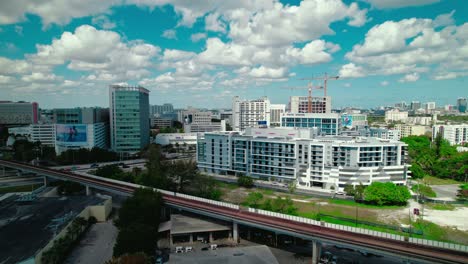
{"points": [[125, 166], [416, 211], [179, 249], [94, 165], [205, 248], [188, 249], [159, 260]]}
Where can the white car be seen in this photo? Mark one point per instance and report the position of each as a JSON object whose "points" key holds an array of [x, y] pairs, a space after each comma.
{"points": [[179, 249]]}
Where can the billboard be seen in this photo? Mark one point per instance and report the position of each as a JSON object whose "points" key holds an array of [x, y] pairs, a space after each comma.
{"points": [[347, 121], [71, 134]]}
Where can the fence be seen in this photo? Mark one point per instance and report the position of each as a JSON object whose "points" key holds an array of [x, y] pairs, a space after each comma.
{"points": [[391, 227], [418, 241]]}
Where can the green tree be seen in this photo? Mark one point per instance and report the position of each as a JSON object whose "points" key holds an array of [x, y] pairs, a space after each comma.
{"points": [[245, 181], [112, 171], [349, 190], [292, 186], [284, 205], [138, 223], [253, 199], [386, 194]]}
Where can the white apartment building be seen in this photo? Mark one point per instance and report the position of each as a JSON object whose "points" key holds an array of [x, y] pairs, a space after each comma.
{"points": [[319, 104], [276, 110], [395, 115], [250, 113], [45, 133], [455, 134], [419, 120], [411, 130], [384, 133], [289, 154], [430, 107]]}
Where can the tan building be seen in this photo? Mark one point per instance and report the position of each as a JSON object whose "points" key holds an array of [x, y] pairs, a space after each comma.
{"points": [[411, 130]]}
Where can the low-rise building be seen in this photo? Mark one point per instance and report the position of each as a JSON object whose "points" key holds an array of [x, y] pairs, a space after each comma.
{"points": [[44, 133], [455, 134], [208, 127], [176, 138], [161, 122], [395, 115], [76, 136], [289, 154], [412, 130], [384, 133], [329, 124]]}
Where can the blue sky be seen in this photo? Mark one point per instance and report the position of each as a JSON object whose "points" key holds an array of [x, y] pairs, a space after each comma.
{"points": [[202, 53]]}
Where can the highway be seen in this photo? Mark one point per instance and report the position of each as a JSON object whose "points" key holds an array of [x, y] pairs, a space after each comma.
{"points": [[320, 233]]}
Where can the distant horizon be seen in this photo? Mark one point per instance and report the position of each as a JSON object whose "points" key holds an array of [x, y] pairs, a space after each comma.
{"points": [[202, 53]]}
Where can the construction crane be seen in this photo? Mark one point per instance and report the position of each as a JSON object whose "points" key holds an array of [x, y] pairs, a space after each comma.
{"points": [[325, 79], [309, 87]]}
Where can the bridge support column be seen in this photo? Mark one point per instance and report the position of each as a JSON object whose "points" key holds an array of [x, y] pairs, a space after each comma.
{"points": [[235, 232], [316, 252], [3, 171], [88, 190], [211, 237], [191, 239], [46, 182]]}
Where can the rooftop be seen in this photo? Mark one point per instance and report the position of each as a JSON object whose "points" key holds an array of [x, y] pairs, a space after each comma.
{"points": [[24, 227]]}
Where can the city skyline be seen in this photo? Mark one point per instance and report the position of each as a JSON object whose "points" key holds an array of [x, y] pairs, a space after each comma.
{"points": [[203, 55]]}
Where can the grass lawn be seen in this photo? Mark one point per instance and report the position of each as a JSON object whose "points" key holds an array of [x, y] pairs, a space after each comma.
{"points": [[353, 203], [436, 232], [431, 180], [25, 188], [348, 209], [227, 185], [437, 206]]}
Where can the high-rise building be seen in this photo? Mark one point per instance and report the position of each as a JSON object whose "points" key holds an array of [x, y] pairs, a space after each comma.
{"points": [[276, 110], [415, 105], [129, 118], [18, 113], [250, 113], [461, 105], [161, 109], [430, 107], [319, 104]]}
